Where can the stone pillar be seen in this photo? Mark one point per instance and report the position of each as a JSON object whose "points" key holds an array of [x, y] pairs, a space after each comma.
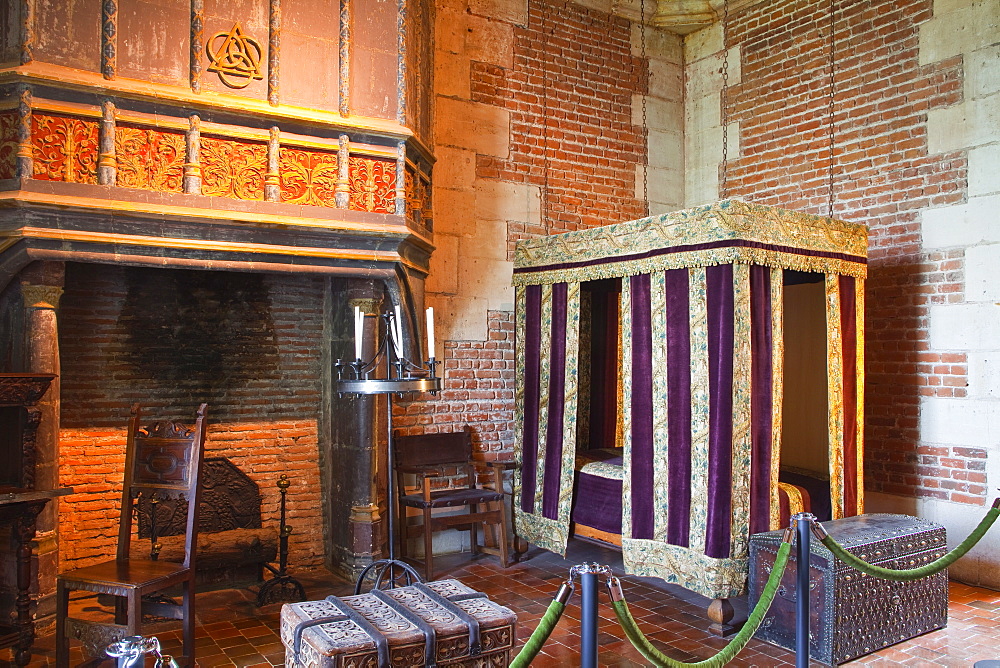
{"points": [[41, 288], [356, 485]]}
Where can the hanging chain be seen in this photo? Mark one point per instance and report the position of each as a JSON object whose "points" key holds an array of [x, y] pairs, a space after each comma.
{"points": [[645, 123], [546, 226], [723, 102], [832, 47]]}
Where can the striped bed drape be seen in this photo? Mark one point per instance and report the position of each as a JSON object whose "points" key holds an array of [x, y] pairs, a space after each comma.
{"points": [[697, 342]]}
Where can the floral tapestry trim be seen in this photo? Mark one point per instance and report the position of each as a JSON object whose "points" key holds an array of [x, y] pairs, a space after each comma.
{"points": [[583, 369], [825, 241], [625, 401], [232, 168], [64, 148], [551, 535], [698, 316], [570, 390], [544, 374], [661, 446], [835, 394], [8, 145], [373, 184], [777, 388], [699, 258], [742, 443], [710, 577], [308, 177], [149, 159], [520, 323]]}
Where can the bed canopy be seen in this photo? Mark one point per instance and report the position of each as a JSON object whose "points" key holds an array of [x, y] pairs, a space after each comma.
{"points": [[666, 336]]}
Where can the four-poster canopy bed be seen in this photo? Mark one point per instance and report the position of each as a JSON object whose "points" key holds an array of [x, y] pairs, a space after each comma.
{"points": [[668, 368]]}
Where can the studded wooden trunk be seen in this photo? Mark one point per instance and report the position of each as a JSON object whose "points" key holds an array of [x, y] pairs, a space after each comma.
{"points": [[852, 614], [343, 644]]}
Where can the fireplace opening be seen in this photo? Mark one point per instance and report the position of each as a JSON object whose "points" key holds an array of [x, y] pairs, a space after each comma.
{"points": [[250, 345]]}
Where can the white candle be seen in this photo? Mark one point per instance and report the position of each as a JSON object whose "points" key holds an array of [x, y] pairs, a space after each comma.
{"points": [[430, 332], [398, 338], [359, 328]]}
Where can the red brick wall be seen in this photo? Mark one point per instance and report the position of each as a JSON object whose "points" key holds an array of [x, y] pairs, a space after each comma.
{"points": [[883, 176], [478, 379], [248, 345], [575, 68]]}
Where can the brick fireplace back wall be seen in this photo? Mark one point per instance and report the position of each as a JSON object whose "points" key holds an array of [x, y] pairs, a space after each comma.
{"points": [[249, 345]]}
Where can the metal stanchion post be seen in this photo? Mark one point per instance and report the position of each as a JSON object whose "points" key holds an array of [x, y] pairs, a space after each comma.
{"points": [[803, 522], [588, 619]]}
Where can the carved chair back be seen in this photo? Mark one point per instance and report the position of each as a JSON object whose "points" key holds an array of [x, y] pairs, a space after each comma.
{"points": [[162, 463]]}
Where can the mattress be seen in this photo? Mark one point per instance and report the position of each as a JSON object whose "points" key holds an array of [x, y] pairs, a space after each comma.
{"points": [[597, 493]]}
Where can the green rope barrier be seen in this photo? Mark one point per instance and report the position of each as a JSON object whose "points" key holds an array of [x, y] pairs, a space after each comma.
{"points": [[541, 632], [906, 575], [735, 646]]}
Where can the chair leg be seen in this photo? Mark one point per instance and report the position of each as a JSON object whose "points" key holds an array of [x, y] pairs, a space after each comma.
{"points": [[428, 546], [121, 610], [189, 621], [474, 529], [502, 533], [62, 611], [133, 626]]}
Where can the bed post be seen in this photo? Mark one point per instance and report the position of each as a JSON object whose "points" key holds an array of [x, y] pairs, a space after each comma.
{"points": [[720, 613]]}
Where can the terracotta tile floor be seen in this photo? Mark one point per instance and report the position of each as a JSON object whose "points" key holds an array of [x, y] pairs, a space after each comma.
{"points": [[233, 632]]}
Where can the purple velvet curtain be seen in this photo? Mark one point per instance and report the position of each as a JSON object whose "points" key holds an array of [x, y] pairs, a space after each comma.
{"points": [[557, 400], [642, 408], [761, 399], [532, 360], [679, 406], [720, 416]]}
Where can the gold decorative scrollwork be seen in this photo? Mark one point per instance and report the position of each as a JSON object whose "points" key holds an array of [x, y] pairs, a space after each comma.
{"points": [[64, 148], [235, 57], [373, 184], [232, 168], [8, 145], [149, 159], [414, 194], [308, 177]]}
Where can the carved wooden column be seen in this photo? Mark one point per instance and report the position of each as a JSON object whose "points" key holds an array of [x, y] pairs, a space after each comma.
{"points": [[41, 288]]}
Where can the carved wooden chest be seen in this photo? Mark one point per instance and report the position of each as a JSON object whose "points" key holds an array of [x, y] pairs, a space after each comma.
{"points": [[852, 614], [442, 622]]}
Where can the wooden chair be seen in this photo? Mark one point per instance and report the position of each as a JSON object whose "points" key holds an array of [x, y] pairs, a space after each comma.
{"points": [[435, 456], [162, 462]]}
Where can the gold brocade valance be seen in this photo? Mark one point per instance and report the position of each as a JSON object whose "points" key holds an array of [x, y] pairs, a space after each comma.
{"points": [[730, 231]]}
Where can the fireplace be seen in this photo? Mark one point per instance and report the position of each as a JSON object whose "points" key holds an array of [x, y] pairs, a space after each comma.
{"points": [[249, 345]]}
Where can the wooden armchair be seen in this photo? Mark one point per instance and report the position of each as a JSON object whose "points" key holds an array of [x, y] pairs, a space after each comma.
{"points": [[162, 461], [435, 456]]}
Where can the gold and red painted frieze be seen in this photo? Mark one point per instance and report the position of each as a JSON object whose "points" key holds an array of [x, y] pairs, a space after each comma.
{"points": [[73, 144], [417, 187], [373, 184], [149, 159], [64, 148], [308, 176], [233, 168]]}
